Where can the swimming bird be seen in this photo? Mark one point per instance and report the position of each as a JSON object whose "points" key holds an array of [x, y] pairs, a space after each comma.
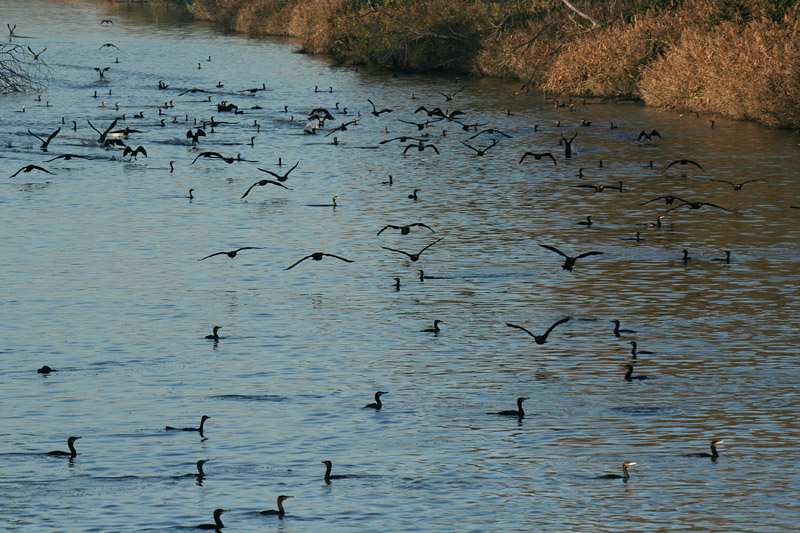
{"points": [[595, 188], [280, 177], [195, 136], [70, 453], [45, 370], [480, 151], [405, 230], [714, 453], [333, 205], [413, 195], [684, 162], [396, 284], [618, 331], [635, 350], [328, 476], [67, 157], [538, 156], [375, 110], [198, 429], [28, 168], [413, 257], [648, 137], [685, 257], [629, 374], [727, 257], [519, 412], [215, 335], [217, 520], [588, 222], [698, 205], [377, 404], [435, 329], [233, 253], [540, 339], [45, 142], [134, 152], [262, 183], [35, 55], [624, 475], [317, 256], [569, 262], [737, 186], [280, 512]]}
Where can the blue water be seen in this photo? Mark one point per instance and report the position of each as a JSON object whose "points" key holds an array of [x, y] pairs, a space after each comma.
{"points": [[101, 281]]}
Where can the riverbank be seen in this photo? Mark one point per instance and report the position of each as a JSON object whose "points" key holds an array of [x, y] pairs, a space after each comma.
{"points": [[738, 58]]}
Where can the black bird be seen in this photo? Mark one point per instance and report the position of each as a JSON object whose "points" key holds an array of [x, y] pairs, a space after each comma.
{"points": [[28, 168], [538, 157], [35, 55], [45, 142], [413, 195], [375, 110], [317, 256], [213, 155], [215, 335], [420, 125], [217, 520], [684, 162], [198, 429], [727, 257], [540, 339], [568, 145], [449, 96], [377, 404], [623, 477], [737, 186], [328, 476], [107, 21], [413, 257], [519, 412], [280, 177], [481, 151], [102, 72], [569, 262], [435, 329], [105, 133], [333, 205], [402, 139], [629, 374], [67, 157], [588, 222], [618, 331], [255, 89], [698, 205], [405, 230], [490, 131], [233, 253], [595, 188], [668, 199], [45, 370], [648, 137], [635, 350], [262, 183], [70, 453], [134, 152], [192, 90], [342, 127], [421, 146], [714, 453], [195, 136], [280, 512], [439, 113], [109, 45]]}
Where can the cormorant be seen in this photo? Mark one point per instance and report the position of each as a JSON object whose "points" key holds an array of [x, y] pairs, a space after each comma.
{"points": [[618, 331], [405, 230], [317, 256], [45, 142], [540, 339], [684, 162], [629, 374], [281, 511], [435, 329], [569, 262], [377, 404], [328, 476], [624, 475], [214, 336], [737, 186], [413, 257], [217, 520], [519, 412], [538, 156], [71, 452], [714, 453], [262, 183], [199, 430], [232, 253]]}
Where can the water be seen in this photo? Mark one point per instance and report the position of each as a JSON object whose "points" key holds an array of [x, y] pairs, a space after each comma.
{"points": [[101, 280]]}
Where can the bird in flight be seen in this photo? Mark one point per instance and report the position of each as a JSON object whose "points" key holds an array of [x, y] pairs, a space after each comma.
{"points": [[737, 186], [28, 168], [405, 230], [317, 256], [233, 253], [481, 151], [375, 110], [134, 152], [569, 262], [280, 177], [45, 142], [538, 157], [262, 183], [683, 162], [413, 257], [540, 339]]}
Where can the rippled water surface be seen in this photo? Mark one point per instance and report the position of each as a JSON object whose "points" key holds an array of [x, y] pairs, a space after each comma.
{"points": [[101, 281]]}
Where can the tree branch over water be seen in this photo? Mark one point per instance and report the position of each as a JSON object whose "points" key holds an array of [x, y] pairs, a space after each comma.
{"points": [[18, 72]]}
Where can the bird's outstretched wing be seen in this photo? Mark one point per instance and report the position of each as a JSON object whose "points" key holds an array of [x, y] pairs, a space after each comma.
{"points": [[298, 262], [554, 249], [558, 323], [509, 324]]}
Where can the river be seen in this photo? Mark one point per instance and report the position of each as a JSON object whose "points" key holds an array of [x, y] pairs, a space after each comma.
{"points": [[102, 281]]}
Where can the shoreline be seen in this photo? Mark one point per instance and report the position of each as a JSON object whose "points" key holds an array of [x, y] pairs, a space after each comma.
{"points": [[735, 58]]}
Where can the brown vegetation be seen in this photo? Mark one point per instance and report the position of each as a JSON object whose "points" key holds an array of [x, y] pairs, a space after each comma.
{"points": [[734, 57]]}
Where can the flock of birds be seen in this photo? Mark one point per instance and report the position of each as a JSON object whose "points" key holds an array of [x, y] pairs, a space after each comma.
{"points": [[422, 138]]}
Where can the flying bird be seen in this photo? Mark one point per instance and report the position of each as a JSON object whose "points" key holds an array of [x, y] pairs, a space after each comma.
{"points": [[317, 256], [405, 230], [262, 183], [280, 177], [538, 157], [569, 262], [28, 168], [684, 162], [45, 142], [413, 257], [233, 253], [540, 339]]}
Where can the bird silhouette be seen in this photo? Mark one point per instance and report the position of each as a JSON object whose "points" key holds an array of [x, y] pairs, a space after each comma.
{"points": [[538, 156], [261, 183], [683, 162], [45, 142], [280, 177], [317, 256], [405, 230], [233, 253], [569, 262], [375, 110], [737, 186], [29, 168], [540, 339], [413, 257]]}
